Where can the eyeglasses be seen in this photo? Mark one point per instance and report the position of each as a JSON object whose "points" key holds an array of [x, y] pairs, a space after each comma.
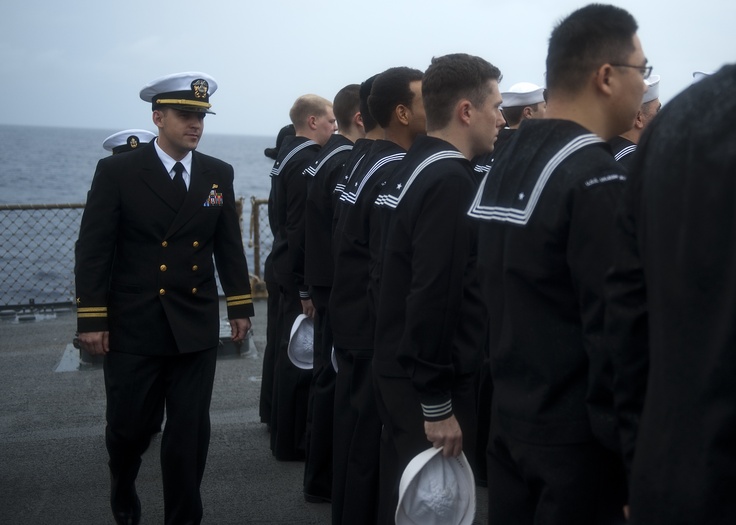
{"points": [[644, 70]]}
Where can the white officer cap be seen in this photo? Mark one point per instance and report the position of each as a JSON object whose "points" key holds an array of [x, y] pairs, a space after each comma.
{"points": [[522, 94], [189, 91], [127, 140]]}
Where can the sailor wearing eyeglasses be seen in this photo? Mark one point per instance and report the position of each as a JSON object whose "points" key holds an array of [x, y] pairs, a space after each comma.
{"points": [[546, 214]]}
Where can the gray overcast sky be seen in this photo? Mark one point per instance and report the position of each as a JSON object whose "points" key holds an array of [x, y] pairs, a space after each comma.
{"points": [[82, 63]]}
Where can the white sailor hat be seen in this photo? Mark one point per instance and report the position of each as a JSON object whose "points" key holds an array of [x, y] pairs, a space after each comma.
{"points": [[189, 91], [301, 342], [522, 94], [652, 89], [127, 140], [435, 490], [700, 75]]}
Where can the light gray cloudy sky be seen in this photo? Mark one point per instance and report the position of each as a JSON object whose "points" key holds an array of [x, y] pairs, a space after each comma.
{"points": [[82, 63]]}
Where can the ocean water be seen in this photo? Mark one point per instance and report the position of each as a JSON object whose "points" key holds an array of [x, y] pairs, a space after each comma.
{"points": [[40, 165]]}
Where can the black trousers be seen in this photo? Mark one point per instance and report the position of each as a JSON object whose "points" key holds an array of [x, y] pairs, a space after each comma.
{"points": [[269, 353], [357, 441], [318, 464], [403, 434], [485, 394], [290, 388], [535, 484], [138, 387]]}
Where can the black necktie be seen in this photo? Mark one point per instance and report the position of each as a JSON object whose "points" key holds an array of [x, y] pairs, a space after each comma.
{"points": [[180, 187]]}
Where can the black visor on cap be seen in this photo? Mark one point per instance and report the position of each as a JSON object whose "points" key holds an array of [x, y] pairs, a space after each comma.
{"points": [[183, 100]]}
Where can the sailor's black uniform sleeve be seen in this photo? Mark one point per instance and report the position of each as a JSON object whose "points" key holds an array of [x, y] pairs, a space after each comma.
{"points": [[590, 254], [295, 224], [440, 253], [626, 325]]}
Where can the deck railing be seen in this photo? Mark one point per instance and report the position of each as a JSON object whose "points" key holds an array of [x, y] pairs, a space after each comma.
{"points": [[37, 252]]}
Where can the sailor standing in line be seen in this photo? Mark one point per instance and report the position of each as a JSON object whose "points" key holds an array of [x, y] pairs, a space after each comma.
{"points": [[323, 174], [523, 101], [395, 102], [147, 298], [624, 145], [314, 123], [431, 321], [546, 218], [272, 308]]}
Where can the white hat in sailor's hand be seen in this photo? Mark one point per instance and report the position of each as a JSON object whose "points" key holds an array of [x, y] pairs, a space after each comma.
{"points": [[435, 490], [301, 342], [127, 140]]}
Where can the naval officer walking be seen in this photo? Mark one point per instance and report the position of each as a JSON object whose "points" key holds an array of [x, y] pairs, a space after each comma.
{"points": [[147, 297]]}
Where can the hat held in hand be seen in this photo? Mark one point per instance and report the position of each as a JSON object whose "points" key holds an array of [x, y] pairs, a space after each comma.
{"points": [[435, 490], [301, 342]]}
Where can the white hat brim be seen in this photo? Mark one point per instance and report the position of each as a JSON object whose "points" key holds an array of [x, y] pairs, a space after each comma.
{"points": [[463, 474], [301, 343]]}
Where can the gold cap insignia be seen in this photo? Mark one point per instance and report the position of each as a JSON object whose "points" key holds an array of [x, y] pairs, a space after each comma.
{"points": [[199, 88]]}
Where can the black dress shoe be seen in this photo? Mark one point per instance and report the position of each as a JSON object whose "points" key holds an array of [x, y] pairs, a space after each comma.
{"points": [[132, 517], [311, 498], [126, 507]]}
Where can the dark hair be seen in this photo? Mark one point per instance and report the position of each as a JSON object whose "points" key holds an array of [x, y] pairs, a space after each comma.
{"points": [[369, 123], [346, 104], [453, 77], [284, 132], [588, 38], [390, 89]]}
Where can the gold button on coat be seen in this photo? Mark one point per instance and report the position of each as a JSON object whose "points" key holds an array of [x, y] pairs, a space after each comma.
{"points": [[162, 292], [164, 244], [162, 267], [194, 290], [195, 244], [195, 268]]}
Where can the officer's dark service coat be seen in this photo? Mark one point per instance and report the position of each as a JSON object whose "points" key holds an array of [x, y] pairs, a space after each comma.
{"points": [[143, 263]]}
